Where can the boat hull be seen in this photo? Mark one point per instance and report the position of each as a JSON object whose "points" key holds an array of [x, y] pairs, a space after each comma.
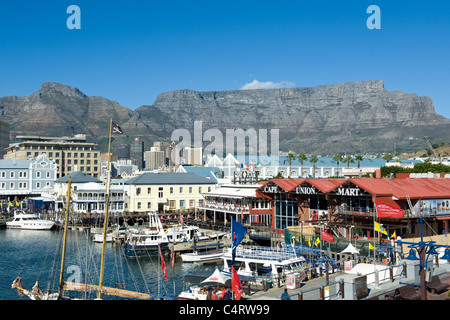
{"points": [[40, 226], [131, 250]]}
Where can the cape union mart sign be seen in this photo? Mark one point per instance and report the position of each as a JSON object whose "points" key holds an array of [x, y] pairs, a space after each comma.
{"points": [[348, 192]]}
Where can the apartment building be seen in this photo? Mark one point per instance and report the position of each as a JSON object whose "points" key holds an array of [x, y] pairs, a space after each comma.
{"points": [[69, 153]]}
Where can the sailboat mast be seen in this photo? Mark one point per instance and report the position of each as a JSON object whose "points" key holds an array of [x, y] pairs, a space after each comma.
{"points": [[61, 274], [105, 223]]}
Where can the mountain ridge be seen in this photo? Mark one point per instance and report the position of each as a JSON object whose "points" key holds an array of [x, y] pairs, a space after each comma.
{"points": [[342, 117]]}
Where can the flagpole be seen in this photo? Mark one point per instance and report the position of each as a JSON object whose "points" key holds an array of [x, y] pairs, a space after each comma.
{"points": [[105, 222]]}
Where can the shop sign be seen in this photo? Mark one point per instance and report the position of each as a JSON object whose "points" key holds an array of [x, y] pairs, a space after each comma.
{"points": [[348, 192], [305, 190]]}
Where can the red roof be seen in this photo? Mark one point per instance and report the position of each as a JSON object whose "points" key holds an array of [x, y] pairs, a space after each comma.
{"points": [[415, 188], [326, 185]]}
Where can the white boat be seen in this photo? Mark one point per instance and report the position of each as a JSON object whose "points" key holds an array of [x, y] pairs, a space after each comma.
{"points": [[98, 237], [29, 221], [265, 262], [203, 253]]}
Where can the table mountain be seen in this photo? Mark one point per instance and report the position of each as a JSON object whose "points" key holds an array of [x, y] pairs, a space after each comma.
{"points": [[346, 117]]}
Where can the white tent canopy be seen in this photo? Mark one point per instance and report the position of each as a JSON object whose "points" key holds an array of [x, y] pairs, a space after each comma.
{"points": [[350, 249], [216, 278]]}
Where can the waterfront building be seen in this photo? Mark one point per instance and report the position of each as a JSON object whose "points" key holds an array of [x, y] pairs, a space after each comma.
{"points": [[69, 153], [166, 191], [4, 137], [352, 205], [238, 202], [193, 156], [21, 179], [269, 167]]}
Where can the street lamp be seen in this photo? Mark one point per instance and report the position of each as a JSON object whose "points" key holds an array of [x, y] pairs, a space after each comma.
{"points": [[424, 249]]}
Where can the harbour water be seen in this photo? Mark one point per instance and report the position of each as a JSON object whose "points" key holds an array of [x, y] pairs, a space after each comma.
{"points": [[36, 256]]}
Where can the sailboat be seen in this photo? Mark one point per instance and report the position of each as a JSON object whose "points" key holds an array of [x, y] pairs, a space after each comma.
{"points": [[37, 294]]}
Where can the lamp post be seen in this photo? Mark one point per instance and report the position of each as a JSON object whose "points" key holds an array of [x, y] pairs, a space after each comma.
{"points": [[424, 249]]}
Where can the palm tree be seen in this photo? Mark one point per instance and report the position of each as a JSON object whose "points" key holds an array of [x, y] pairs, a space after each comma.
{"points": [[291, 157], [348, 160], [302, 157], [359, 158], [337, 158], [388, 157], [313, 160]]}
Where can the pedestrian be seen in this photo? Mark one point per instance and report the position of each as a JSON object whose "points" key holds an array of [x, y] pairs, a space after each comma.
{"points": [[214, 295], [227, 295], [285, 295]]}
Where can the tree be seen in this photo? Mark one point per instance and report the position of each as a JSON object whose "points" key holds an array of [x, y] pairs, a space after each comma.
{"points": [[337, 158], [291, 157], [313, 160], [388, 157], [359, 158], [302, 157], [348, 160]]}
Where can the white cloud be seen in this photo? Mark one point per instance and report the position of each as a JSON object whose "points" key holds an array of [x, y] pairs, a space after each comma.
{"points": [[255, 84]]}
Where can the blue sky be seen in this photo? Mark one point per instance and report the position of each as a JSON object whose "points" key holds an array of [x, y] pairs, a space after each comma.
{"points": [[130, 51]]}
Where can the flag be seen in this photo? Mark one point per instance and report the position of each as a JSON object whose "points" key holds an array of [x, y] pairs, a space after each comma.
{"points": [[393, 235], [327, 237], [236, 284], [379, 228], [258, 165], [172, 257], [309, 242], [115, 129], [317, 242], [10, 204], [163, 265], [238, 233], [371, 247], [17, 204]]}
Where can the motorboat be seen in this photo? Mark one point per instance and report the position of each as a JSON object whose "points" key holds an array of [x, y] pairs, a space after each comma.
{"points": [[29, 221], [203, 253], [266, 263]]}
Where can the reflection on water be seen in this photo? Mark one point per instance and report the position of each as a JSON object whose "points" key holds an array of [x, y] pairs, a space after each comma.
{"points": [[36, 256]]}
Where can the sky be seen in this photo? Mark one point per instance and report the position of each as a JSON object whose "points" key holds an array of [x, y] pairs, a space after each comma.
{"points": [[130, 51]]}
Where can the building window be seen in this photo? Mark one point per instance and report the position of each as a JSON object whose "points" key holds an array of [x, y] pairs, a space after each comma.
{"points": [[191, 203], [199, 189], [3, 174], [171, 190], [181, 190], [149, 205], [190, 189], [38, 185], [149, 190], [48, 174], [11, 185], [3, 185], [209, 189], [160, 192], [11, 174], [138, 191], [139, 205], [182, 203], [172, 203]]}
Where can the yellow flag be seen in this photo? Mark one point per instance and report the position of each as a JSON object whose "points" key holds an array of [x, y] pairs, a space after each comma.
{"points": [[10, 204], [379, 228], [371, 247], [17, 204], [309, 242], [317, 242], [393, 235]]}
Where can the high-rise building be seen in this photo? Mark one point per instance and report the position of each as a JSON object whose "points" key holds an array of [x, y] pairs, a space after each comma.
{"points": [[155, 158], [123, 152], [137, 152], [194, 156], [69, 153], [4, 138]]}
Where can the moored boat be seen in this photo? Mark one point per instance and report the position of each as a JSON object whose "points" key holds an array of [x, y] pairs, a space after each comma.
{"points": [[204, 253], [29, 221]]}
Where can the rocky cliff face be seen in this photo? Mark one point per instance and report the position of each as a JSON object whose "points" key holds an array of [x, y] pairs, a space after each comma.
{"points": [[346, 117], [58, 110]]}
